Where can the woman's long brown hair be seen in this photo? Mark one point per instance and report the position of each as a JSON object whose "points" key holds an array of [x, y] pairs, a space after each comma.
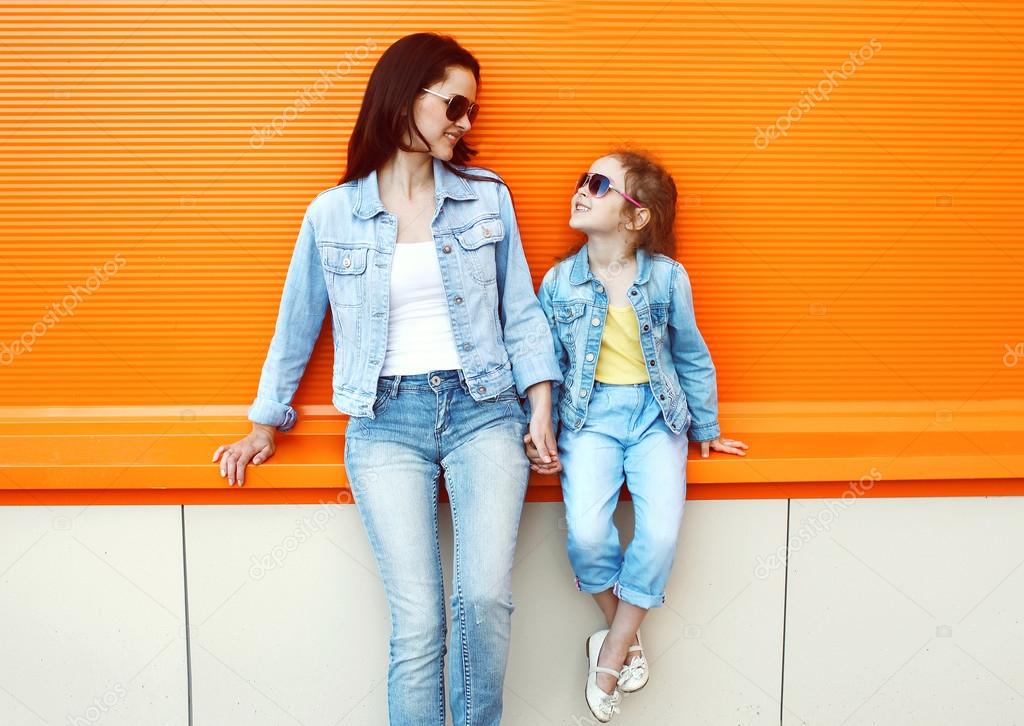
{"points": [[410, 64]]}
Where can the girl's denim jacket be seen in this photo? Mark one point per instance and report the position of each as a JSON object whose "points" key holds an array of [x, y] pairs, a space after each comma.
{"points": [[343, 258], [682, 376]]}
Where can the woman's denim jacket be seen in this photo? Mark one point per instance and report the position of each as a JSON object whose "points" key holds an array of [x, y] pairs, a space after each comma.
{"points": [[682, 376], [343, 257]]}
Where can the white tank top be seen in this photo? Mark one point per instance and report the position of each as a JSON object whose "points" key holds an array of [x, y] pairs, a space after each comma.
{"points": [[419, 326]]}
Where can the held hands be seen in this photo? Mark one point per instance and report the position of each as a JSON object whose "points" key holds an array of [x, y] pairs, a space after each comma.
{"points": [[727, 446], [543, 459], [540, 442], [258, 446]]}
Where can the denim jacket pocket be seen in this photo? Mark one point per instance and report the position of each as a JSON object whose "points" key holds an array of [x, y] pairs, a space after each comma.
{"points": [[566, 312], [567, 320], [345, 266], [568, 317], [478, 242], [659, 314]]}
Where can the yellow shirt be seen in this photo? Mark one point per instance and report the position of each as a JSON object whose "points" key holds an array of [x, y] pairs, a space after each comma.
{"points": [[621, 359]]}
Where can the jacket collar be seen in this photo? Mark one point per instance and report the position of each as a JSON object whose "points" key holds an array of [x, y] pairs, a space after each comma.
{"points": [[581, 273], [446, 185]]}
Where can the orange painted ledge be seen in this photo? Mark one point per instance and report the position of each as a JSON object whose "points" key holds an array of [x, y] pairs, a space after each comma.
{"points": [[162, 455]]}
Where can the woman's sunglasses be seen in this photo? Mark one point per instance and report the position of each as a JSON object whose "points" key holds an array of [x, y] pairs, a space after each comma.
{"points": [[458, 106], [598, 185]]}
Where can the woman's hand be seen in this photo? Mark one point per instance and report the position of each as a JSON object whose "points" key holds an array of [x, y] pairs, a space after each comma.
{"points": [[258, 446], [727, 446]]}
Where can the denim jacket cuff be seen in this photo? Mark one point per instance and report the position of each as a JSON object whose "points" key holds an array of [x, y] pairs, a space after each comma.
{"points": [[271, 413], [528, 370], [704, 431]]}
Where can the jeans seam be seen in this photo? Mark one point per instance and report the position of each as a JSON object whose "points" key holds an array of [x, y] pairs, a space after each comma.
{"points": [[463, 638], [444, 619]]}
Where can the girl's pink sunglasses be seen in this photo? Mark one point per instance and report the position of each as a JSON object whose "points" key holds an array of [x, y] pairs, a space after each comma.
{"points": [[598, 185]]}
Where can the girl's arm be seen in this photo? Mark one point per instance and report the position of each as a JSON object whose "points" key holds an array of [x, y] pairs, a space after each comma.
{"points": [[692, 361]]}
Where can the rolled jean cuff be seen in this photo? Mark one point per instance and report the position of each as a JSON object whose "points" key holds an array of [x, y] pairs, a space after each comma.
{"points": [[635, 597], [593, 590]]}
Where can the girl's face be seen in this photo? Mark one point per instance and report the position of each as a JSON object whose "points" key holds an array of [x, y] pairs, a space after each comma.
{"points": [[430, 114], [591, 215]]}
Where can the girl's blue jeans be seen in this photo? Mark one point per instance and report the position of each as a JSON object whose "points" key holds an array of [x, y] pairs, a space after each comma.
{"points": [[624, 436]]}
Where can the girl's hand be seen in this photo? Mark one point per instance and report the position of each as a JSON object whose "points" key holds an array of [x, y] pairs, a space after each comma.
{"points": [[537, 463], [727, 446], [258, 446]]}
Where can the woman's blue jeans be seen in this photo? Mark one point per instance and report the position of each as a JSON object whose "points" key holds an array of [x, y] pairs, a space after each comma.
{"points": [[422, 423]]}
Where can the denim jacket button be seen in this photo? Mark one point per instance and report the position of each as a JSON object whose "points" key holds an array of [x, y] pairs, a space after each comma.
{"points": [[447, 249], [653, 362], [482, 389], [487, 231], [590, 356], [466, 346], [583, 394], [458, 300], [346, 262], [595, 321], [646, 327], [600, 288]]}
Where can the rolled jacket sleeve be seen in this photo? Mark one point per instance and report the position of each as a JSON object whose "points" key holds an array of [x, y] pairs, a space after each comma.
{"points": [[561, 354], [692, 361], [524, 328], [299, 321]]}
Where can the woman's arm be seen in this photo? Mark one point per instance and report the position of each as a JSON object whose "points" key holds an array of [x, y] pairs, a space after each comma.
{"points": [[524, 328], [561, 354], [300, 318]]}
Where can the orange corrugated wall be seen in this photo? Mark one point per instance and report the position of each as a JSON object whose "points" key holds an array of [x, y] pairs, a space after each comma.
{"points": [[871, 253]]}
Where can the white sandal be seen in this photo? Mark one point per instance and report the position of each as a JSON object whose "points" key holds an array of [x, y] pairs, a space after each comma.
{"points": [[602, 705], [634, 675]]}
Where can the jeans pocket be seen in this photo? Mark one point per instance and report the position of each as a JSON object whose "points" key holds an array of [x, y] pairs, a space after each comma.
{"points": [[380, 405], [383, 399]]}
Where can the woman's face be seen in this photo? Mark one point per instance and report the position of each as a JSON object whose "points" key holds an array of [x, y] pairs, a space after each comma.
{"points": [[591, 215], [430, 114]]}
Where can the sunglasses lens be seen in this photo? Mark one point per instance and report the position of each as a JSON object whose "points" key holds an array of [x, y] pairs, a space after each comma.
{"points": [[599, 185], [581, 181], [458, 107]]}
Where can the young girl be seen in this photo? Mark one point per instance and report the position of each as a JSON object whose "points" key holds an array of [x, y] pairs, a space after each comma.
{"points": [[637, 378]]}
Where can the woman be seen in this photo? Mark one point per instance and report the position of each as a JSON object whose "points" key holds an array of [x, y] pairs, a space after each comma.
{"points": [[437, 334]]}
